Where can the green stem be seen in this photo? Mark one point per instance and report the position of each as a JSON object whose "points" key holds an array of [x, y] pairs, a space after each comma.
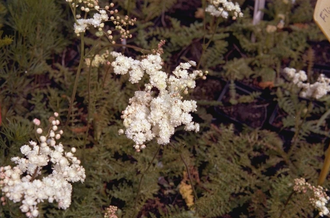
{"points": [[81, 61], [88, 106], [190, 180], [73, 10], [142, 176], [128, 8], [123, 45], [204, 34], [89, 99], [322, 119], [286, 203], [89, 92], [107, 72], [325, 168], [298, 126], [205, 46]]}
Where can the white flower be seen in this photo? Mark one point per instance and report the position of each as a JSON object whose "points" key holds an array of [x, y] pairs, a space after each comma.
{"points": [[42, 138], [156, 115], [20, 184], [36, 121], [316, 90], [39, 130], [302, 75], [320, 197], [289, 72], [97, 21], [25, 149], [222, 8]]}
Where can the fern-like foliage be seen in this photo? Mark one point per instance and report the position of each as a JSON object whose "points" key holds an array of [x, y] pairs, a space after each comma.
{"points": [[235, 174], [300, 115], [156, 7], [215, 54], [177, 36]]}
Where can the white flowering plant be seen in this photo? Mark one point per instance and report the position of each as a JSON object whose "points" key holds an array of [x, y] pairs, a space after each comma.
{"points": [[222, 8], [319, 197], [97, 21], [154, 114], [315, 90], [125, 83], [26, 182]]}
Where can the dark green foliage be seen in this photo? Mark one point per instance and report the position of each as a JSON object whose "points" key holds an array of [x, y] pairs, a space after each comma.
{"points": [[301, 115], [175, 212], [37, 32], [233, 174], [239, 153], [281, 36], [14, 133], [155, 8], [215, 54]]}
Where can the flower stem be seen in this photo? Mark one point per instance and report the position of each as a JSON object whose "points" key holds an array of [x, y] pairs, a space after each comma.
{"points": [[190, 180], [325, 168], [300, 120], [206, 45], [82, 47], [286, 203], [142, 176]]}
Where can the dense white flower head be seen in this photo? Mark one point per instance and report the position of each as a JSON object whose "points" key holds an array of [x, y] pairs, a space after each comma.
{"points": [[222, 8], [25, 182], [155, 114], [316, 90]]}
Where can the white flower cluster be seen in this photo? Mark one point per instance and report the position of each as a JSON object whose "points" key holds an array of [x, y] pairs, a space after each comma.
{"points": [[222, 8], [111, 212], [22, 183], [320, 197], [121, 23], [97, 21], [316, 90], [156, 114]]}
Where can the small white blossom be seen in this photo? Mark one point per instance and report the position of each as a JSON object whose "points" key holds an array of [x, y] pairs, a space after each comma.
{"points": [[120, 131], [39, 130], [42, 138], [36, 121]]}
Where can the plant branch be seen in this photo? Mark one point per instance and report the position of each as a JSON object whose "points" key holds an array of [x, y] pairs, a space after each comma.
{"points": [[286, 203], [82, 47], [190, 179], [142, 176]]}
